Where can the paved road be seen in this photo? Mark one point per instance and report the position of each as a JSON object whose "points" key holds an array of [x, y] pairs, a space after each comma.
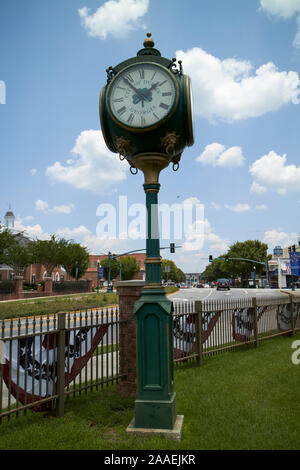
{"points": [[214, 294]]}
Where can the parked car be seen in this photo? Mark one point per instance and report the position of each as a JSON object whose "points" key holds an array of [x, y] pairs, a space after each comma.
{"points": [[200, 285], [223, 284]]}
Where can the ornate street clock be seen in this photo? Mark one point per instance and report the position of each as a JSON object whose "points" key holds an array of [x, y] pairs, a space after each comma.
{"points": [[146, 107], [146, 117], [142, 97]]}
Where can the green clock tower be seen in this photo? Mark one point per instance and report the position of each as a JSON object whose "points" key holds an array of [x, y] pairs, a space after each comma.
{"points": [[146, 117]]}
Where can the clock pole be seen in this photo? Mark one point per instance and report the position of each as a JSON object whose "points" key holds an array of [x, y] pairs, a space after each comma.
{"points": [[146, 117], [155, 405]]}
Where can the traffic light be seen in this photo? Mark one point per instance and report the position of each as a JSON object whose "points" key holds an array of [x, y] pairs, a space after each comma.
{"points": [[210, 258], [172, 247], [226, 259], [290, 249], [294, 248]]}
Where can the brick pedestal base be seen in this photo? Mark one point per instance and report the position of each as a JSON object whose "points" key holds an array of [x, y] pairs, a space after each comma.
{"points": [[48, 286], [129, 292], [89, 283], [19, 287]]}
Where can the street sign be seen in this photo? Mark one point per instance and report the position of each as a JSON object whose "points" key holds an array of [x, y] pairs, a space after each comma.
{"points": [[278, 251], [100, 273], [295, 263]]}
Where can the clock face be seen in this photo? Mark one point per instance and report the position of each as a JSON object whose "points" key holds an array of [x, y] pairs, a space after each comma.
{"points": [[142, 95]]}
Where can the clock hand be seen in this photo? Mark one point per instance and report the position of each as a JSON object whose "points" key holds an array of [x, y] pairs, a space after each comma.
{"points": [[147, 92], [138, 92]]}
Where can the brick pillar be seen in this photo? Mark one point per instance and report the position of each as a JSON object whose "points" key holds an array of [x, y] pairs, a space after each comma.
{"points": [[19, 287], [48, 286], [129, 292], [89, 283]]}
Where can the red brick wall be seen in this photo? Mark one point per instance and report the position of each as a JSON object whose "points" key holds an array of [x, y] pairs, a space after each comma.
{"points": [[91, 272]]}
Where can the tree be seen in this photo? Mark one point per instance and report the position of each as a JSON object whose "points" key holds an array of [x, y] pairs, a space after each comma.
{"points": [[114, 268], [175, 274], [250, 249], [18, 257], [7, 240], [75, 259], [49, 253], [217, 269], [130, 267]]}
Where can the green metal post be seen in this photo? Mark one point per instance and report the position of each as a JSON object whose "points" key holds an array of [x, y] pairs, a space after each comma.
{"points": [[60, 405], [155, 405], [109, 287]]}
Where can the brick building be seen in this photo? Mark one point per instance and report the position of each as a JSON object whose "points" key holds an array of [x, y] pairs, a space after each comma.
{"points": [[91, 272]]}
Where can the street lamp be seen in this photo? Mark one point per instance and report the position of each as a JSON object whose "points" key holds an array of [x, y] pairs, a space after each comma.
{"points": [[98, 276]]}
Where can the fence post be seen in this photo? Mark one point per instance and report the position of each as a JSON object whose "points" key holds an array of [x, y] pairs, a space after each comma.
{"points": [[292, 314], [60, 403], [199, 345], [255, 321]]}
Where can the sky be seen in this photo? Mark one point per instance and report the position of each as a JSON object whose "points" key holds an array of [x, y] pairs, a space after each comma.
{"points": [[58, 177]]}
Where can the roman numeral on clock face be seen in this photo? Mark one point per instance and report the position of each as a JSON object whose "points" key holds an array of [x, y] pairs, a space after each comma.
{"points": [[130, 119], [129, 77], [142, 73], [164, 106], [121, 110]]}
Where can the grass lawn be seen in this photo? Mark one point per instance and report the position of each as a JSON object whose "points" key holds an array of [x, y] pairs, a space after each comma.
{"points": [[50, 305], [63, 303], [245, 399]]}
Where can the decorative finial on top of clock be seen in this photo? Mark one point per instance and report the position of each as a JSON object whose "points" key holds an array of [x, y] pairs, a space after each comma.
{"points": [[149, 48], [148, 41]]}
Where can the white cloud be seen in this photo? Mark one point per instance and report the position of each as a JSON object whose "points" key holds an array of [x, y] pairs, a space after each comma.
{"points": [[285, 9], [33, 171], [275, 237], [93, 167], [257, 188], [296, 42], [32, 231], [204, 234], [64, 209], [239, 208], [230, 90], [272, 172], [115, 17], [98, 245], [216, 155], [73, 233], [215, 205], [43, 206], [261, 207]]}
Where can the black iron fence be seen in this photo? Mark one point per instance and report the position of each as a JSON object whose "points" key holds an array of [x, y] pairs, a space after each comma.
{"points": [[45, 360], [70, 286], [7, 287], [213, 326]]}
